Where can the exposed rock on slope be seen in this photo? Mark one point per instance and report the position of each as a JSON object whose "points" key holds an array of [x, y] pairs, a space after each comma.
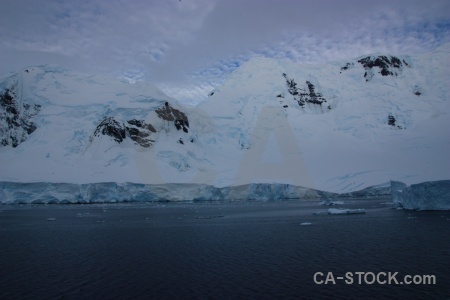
{"points": [[15, 118], [168, 113], [317, 126], [138, 130], [387, 65], [301, 95]]}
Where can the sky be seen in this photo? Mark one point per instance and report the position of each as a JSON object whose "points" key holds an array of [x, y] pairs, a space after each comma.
{"points": [[189, 47]]}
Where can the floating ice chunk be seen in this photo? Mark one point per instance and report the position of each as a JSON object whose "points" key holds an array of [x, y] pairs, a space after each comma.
{"points": [[432, 195], [342, 211]]}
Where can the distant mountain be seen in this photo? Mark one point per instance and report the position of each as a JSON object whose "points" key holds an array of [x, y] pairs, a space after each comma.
{"points": [[338, 127]]}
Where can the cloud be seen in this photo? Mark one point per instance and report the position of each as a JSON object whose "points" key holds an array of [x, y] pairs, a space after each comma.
{"points": [[188, 47]]}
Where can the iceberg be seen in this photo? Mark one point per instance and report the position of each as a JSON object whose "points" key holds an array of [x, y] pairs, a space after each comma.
{"points": [[432, 195], [346, 211]]}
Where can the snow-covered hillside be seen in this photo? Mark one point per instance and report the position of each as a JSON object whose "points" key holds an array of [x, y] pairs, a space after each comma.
{"points": [[61, 126], [350, 124], [336, 127]]}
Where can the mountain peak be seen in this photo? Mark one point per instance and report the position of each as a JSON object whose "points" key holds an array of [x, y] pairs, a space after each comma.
{"points": [[338, 127]]}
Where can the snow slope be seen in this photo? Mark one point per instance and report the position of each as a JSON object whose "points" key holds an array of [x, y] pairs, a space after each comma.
{"points": [[89, 128], [337, 127], [369, 130]]}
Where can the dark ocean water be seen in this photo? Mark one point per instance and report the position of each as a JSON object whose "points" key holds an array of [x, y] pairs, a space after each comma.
{"points": [[218, 251]]}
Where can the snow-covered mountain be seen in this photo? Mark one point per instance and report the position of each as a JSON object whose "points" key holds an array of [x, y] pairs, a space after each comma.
{"points": [[349, 125], [61, 126], [336, 127]]}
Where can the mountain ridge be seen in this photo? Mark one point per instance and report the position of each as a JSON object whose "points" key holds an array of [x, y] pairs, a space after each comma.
{"points": [[339, 127]]}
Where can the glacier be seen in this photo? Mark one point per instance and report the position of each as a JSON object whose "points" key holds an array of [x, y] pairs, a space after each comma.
{"points": [[346, 211], [345, 127], [433, 195], [111, 192]]}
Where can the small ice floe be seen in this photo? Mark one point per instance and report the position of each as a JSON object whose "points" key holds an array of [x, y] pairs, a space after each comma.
{"points": [[305, 224], [331, 202], [346, 211], [51, 219], [209, 217]]}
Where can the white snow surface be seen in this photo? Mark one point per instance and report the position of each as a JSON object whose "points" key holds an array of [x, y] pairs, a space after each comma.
{"points": [[243, 133], [347, 147]]}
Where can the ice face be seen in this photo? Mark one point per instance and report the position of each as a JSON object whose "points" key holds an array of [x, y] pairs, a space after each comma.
{"points": [[434, 195], [11, 193]]}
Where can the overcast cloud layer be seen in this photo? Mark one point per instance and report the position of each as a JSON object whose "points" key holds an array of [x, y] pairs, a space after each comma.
{"points": [[188, 47]]}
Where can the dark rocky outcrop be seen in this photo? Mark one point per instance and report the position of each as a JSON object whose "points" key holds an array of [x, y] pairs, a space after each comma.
{"points": [[140, 132], [417, 90], [15, 118], [112, 128], [136, 130], [141, 124], [391, 122], [347, 66], [303, 96], [389, 66], [168, 113]]}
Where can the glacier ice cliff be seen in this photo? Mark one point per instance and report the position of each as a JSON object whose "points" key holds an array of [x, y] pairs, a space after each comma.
{"points": [[432, 195], [111, 192]]}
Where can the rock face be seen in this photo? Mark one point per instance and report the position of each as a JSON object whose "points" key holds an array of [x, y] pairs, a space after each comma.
{"points": [[389, 66], [15, 118], [168, 113], [112, 128], [138, 130], [301, 95], [386, 66]]}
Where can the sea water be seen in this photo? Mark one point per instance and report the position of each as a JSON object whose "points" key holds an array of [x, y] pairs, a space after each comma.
{"points": [[242, 250]]}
